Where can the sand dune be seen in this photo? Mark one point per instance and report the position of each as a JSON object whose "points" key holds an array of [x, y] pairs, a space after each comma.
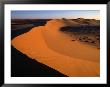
{"points": [[91, 22], [53, 48]]}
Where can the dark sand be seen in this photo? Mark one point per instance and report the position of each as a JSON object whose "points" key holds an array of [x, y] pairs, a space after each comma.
{"points": [[23, 66], [51, 47]]}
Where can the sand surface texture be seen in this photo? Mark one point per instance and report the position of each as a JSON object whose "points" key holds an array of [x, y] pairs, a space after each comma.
{"points": [[55, 49]]}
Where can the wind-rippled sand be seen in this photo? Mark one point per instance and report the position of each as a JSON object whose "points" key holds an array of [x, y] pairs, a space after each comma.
{"points": [[53, 48]]}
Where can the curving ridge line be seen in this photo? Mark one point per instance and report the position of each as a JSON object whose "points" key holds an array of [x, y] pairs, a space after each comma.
{"points": [[33, 44]]}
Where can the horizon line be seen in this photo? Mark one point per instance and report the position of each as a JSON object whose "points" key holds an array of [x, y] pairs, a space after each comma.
{"points": [[55, 18]]}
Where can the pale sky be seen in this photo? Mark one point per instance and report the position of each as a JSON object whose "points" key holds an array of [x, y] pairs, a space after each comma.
{"points": [[55, 14]]}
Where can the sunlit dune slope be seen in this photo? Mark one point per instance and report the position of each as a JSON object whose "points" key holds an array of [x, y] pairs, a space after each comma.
{"points": [[51, 47], [62, 43]]}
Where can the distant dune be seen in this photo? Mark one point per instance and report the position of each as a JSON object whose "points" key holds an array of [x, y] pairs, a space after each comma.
{"points": [[92, 22], [48, 45]]}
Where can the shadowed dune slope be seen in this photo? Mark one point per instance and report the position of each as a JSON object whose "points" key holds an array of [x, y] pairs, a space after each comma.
{"points": [[51, 47]]}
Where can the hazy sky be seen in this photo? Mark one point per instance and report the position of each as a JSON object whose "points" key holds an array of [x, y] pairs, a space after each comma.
{"points": [[55, 14]]}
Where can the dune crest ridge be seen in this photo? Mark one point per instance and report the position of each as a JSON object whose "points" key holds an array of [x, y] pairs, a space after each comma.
{"points": [[51, 47]]}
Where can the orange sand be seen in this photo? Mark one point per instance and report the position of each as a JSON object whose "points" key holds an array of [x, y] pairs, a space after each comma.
{"points": [[53, 48]]}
